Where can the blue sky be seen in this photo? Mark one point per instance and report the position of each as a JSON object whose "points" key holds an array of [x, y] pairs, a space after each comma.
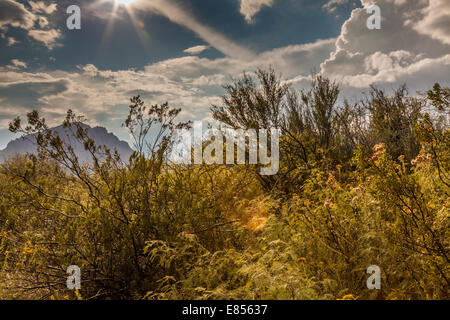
{"points": [[284, 23], [183, 52]]}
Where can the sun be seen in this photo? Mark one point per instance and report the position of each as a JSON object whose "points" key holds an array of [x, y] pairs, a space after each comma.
{"points": [[121, 8], [125, 2]]}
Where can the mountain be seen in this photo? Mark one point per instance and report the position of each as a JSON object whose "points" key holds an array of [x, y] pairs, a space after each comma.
{"points": [[99, 134]]}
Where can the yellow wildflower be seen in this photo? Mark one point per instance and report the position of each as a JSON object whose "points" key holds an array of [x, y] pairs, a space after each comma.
{"points": [[27, 250]]}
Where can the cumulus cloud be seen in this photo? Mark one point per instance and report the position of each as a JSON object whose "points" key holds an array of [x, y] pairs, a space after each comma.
{"points": [[332, 5], [435, 21], [15, 14], [395, 54], [249, 8]]}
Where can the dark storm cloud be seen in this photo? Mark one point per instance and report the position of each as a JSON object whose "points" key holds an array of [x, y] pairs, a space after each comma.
{"points": [[28, 93], [15, 14]]}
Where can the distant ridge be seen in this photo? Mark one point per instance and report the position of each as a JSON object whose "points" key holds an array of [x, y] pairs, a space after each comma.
{"points": [[99, 134]]}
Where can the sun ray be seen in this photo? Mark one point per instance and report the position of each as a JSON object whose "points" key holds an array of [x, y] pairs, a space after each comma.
{"points": [[140, 28], [125, 2], [137, 24], [109, 26]]}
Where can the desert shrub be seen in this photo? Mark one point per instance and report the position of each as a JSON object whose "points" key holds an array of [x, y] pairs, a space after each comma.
{"points": [[358, 186]]}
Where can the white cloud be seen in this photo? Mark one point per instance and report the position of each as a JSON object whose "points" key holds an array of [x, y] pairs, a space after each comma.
{"points": [[196, 49], [359, 57], [332, 5], [15, 14], [395, 54], [14, 65], [249, 8], [189, 82], [435, 21], [388, 72], [12, 41], [18, 63], [42, 21], [47, 37], [40, 6]]}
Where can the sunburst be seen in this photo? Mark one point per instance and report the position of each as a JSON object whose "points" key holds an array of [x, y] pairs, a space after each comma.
{"points": [[128, 6], [125, 2]]}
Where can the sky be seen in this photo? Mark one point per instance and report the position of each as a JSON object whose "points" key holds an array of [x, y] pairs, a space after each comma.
{"points": [[185, 51]]}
